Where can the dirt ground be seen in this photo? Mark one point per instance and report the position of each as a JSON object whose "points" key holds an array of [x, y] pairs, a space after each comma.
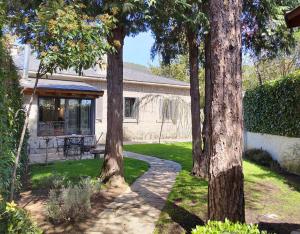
{"points": [[35, 204]]}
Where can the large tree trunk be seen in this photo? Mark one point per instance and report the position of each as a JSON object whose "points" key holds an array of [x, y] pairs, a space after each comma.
{"points": [[225, 133], [199, 168], [113, 166]]}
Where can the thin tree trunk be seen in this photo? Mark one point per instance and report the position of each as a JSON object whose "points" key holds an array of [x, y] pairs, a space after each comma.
{"points": [[258, 74], [113, 166], [26, 122], [226, 187], [207, 107], [198, 156]]}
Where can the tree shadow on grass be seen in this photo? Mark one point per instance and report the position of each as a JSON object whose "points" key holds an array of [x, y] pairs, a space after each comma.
{"points": [[278, 228], [178, 214], [181, 216], [292, 180]]}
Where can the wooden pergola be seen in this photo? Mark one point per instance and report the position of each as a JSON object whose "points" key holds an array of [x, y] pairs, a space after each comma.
{"points": [[292, 18]]}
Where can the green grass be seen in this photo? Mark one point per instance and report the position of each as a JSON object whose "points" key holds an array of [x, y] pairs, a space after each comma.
{"points": [[266, 192], [72, 170]]}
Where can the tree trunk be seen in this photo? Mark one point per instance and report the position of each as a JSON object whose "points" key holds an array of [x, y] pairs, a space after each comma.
{"points": [[199, 168], [258, 74], [207, 107], [226, 188], [113, 166], [23, 133]]}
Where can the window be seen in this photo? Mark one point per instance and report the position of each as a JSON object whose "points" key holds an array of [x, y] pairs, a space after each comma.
{"points": [[62, 116], [168, 110], [130, 108]]}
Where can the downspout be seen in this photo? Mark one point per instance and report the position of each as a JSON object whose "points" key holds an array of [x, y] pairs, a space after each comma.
{"points": [[26, 61]]}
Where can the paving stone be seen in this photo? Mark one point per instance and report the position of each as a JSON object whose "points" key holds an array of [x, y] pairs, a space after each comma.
{"points": [[137, 210]]}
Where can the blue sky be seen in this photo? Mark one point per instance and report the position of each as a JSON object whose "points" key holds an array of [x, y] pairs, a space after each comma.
{"points": [[137, 49]]}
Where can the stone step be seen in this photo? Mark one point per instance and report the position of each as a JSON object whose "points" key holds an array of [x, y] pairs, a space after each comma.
{"points": [[41, 158]]}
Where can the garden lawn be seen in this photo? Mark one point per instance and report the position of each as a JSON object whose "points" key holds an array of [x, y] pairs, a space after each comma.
{"points": [[41, 175], [266, 192]]}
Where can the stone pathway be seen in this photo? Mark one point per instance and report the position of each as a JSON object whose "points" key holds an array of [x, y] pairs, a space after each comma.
{"points": [[136, 211]]}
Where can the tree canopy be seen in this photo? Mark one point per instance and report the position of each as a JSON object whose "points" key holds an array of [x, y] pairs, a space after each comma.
{"points": [[64, 37], [170, 30], [264, 31]]}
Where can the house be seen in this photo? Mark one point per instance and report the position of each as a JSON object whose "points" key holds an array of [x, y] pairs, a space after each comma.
{"points": [[155, 108]]}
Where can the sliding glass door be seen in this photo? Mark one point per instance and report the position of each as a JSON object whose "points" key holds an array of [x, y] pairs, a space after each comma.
{"points": [[86, 116], [72, 116], [65, 116]]}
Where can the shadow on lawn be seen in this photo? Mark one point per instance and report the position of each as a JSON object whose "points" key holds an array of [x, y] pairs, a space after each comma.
{"points": [[292, 180], [178, 214], [278, 228]]}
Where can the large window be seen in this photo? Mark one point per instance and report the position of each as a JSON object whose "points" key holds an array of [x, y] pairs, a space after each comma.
{"points": [[130, 108], [65, 116]]}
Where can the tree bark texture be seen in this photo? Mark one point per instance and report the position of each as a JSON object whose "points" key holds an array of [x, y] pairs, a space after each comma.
{"points": [[225, 131], [113, 166], [207, 107], [199, 167]]}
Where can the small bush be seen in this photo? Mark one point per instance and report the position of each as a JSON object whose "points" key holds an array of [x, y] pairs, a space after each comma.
{"points": [[227, 227], [15, 220], [71, 202], [273, 108], [260, 157]]}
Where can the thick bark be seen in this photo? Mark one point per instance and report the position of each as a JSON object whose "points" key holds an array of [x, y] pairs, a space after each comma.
{"points": [[113, 166], [225, 133], [199, 168]]}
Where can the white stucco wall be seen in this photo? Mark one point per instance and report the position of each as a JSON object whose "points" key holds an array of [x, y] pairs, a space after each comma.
{"points": [[286, 150], [147, 128]]}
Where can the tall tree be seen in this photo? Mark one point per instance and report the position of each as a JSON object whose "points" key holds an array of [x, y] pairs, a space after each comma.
{"points": [[62, 37], [225, 131], [183, 28], [130, 18], [260, 26]]}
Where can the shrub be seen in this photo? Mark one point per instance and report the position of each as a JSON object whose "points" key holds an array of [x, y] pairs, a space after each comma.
{"points": [[71, 202], [259, 156], [273, 108], [52, 181], [11, 120], [15, 220], [216, 227]]}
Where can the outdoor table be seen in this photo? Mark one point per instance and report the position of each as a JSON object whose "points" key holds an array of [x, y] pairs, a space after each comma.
{"points": [[74, 143]]}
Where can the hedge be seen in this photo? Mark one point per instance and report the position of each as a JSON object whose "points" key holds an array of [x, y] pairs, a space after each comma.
{"points": [[274, 108], [11, 120]]}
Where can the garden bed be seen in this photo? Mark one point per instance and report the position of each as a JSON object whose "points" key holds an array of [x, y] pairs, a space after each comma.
{"points": [[34, 199]]}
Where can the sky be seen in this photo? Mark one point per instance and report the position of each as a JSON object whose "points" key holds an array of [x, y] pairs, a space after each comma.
{"points": [[137, 49]]}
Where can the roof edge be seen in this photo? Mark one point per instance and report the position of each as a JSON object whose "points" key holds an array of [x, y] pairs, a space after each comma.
{"points": [[103, 79]]}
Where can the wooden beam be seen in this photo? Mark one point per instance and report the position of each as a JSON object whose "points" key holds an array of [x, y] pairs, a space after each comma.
{"points": [[292, 18], [65, 93]]}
